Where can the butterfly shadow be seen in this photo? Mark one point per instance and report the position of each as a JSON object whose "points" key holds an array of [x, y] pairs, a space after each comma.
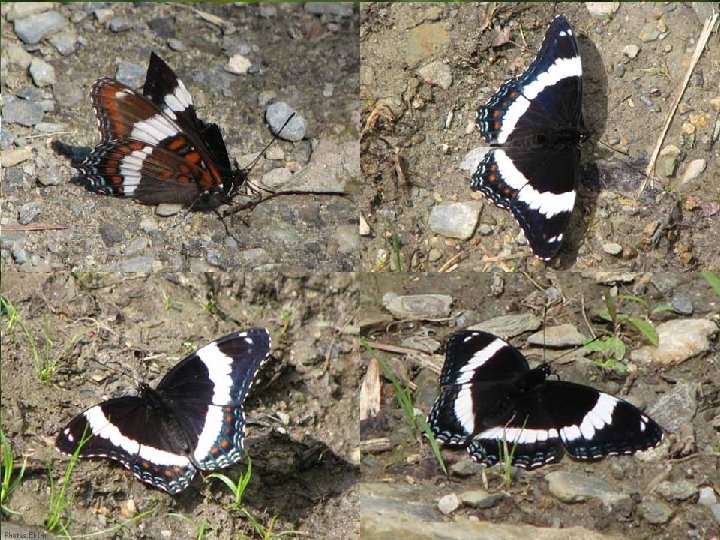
{"points": [[595, 114], [289, 478]]}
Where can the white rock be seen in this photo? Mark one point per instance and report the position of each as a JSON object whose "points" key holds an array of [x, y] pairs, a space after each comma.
{"points": [[455, 220], [238, 64], [693, 170]]}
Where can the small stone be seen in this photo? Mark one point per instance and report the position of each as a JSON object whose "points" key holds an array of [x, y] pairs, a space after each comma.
{"points": [[612, 248], [25, 113], [649, 33], [664, 283], [15, 156], [364, 227], [265, 97], [19, 255], [110, 234], [42, 73], [679, 490], [477, 498], [448, 503], [667, 161], [562, 336], [164, 27], [130, 74], [103, 15], [455, 220], [137, 264], [149, 224], [682, 304], [34, 28], [166, 210], [631, 51], [267, 11], [418, 306], [694, 169], [508, 326], [422, 343], [17, 55], [20, 10], [465, 468], [176, 44], [277, 114], [238, 65], [277, 177], [347, 239], [275, 153], [707, 496], [602, 9], [436, 74], [28, 212], [434, 255], [137, 245], [66, 42], [571, 487], [341, 9], [676, 408], [120, 24], [680, 340], [655, 512]]}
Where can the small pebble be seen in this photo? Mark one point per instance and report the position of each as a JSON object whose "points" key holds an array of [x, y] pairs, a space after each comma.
{"points": [[448, 503], [28, 212], [277, 114], [631, 51], [238, 65]]}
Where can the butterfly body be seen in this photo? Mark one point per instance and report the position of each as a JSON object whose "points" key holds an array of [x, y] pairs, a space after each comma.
{"points": [[490, 396], [154, 148], [193, 420], [534, 125]]}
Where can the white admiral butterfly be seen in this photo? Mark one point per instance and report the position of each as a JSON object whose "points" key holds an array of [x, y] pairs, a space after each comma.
{"points": [[154, 148], [533, 124], [490, 395], [193, 420]]}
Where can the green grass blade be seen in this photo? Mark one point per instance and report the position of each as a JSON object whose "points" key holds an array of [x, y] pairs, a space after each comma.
{"points": [[646, 328], [713, 280]]}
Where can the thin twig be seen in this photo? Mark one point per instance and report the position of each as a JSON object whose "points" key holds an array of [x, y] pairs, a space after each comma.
{"points": [[704, 37], [33, 227], [584, 314], [446, 267]]}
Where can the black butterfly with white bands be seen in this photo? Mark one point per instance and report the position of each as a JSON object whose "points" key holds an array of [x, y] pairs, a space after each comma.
{"points": [[193, 420], [490, 396], [534, 126], [154, 148]]}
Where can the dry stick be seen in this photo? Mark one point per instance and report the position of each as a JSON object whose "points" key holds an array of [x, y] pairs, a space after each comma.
{"points": [[450, 262], [704, 37], [33, 227]]}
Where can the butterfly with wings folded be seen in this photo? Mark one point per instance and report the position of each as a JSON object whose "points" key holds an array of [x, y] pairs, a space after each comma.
{"points": [[154, 148]]}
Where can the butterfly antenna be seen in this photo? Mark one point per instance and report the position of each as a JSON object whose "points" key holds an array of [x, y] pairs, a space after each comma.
{"points": [[276, 136]]}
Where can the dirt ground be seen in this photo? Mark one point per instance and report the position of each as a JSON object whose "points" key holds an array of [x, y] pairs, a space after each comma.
{"points": [[426, 131], [107, 331], [408, 462], [308, 60]]}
